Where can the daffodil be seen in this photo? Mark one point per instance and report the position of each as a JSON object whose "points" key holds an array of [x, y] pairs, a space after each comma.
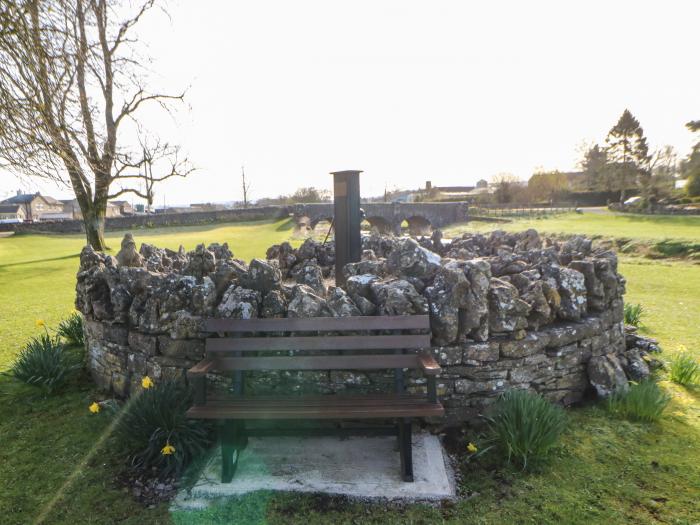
{"points": [[167, 450], [94, 408], [146, 382], [40, 323], [471, 447]]}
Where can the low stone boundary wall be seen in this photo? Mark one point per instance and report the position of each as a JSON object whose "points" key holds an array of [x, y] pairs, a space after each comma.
{"points": [[153, 221], [507, 311]]}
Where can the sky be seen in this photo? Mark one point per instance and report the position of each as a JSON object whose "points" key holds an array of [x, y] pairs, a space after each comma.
{"points": [[446, 91]]}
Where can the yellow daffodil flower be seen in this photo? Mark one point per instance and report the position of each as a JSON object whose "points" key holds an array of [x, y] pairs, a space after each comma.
{"points": [[40, 323], [146, 382], [94, 408], [471, 447], [167, 450]]}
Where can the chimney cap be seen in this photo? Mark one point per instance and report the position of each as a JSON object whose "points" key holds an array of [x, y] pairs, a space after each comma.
{"points": [[345, 172]]}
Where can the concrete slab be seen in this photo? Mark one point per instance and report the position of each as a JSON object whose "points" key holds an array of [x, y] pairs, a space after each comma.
{"points": [[362, 467]]}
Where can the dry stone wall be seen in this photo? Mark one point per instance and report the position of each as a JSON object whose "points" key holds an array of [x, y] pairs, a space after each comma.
{"points": [[507, 311]]}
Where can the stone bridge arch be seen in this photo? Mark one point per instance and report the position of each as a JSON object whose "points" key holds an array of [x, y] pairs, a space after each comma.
{"points": [[387, 217], [381, 224], [418, 225]]}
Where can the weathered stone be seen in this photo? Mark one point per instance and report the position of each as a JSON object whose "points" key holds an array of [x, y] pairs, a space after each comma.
{"points": [[634, 366], [507, 312], [572, 289], [531, 344], [204, 297], [142, 343], [128, 256], [467, 386], [274, 304], [240, 303], [477, 353], [117, 334], [305, 303], [445, 298], [340, 303], [398, 297], [448, 355], [595, 291], [186, 326], [221, 252], [366, 266], [365, 306], [361, 285], [181, 348], [606, 375], [310, 274], [227, 274], [409, 259], [540, 311], [262, 276], [201, 262]]}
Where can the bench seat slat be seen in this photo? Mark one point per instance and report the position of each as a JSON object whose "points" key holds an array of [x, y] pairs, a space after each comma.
{"points": [[301, 408], [347, 342], [335, 324], [324, 362], [387, 399]]}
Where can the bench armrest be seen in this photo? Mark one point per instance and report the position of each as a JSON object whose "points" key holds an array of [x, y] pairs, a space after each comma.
{"points": [[428, 364], [201, 368]]}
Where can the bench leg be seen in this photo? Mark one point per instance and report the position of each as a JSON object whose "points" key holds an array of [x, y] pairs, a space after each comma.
{"points": [[233, 441], [405, 449]]}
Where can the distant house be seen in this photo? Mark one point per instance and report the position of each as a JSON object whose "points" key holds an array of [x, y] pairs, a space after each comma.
{"points": [[207, 206], [12, 213], [125, 207], [72, 209], [34, 205]]}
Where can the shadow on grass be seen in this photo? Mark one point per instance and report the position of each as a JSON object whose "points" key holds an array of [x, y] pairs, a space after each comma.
{"points": [[286, 226], [34, 261]]}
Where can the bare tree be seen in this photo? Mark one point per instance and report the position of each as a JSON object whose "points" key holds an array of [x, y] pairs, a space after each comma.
{"points": [[246, 187], [71, 85], [506, 187]]}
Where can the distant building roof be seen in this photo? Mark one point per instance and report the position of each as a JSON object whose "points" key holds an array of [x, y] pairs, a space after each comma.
{"points": [[9, 208], [453, 189], [24, 198], [27, 198]]}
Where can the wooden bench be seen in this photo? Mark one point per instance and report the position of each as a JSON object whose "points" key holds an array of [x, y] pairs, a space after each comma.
{"points": [[386, 342]]}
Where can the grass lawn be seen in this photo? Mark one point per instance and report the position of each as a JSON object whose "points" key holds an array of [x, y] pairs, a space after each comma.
{"points": [[616, 225], [57, 461], [43, 267]]}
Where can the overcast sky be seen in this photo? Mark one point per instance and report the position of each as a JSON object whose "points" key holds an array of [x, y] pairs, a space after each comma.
{"points": [[410, 91]]}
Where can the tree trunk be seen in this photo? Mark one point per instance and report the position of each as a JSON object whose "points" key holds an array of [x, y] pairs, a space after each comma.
{"points": [[94, 221]]}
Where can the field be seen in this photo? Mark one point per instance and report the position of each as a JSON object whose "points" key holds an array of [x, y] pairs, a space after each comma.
{"points": [[615, 225], [43, 268], [57, 462]]}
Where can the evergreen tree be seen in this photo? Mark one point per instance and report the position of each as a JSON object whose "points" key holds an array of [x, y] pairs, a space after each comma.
{"points": [[628, 153], [691, 166], [594, 166]]}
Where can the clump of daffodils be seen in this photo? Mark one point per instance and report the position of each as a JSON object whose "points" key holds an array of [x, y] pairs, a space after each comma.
{"points": [[146, 382], [94, 408], [471, 448]]}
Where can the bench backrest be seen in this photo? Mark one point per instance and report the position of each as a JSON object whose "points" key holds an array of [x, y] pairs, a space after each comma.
{"points": [[376, 341]]}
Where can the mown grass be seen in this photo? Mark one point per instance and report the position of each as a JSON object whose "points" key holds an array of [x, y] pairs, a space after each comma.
{"points": [[37, 272], [613, 225], [606, 471]]}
